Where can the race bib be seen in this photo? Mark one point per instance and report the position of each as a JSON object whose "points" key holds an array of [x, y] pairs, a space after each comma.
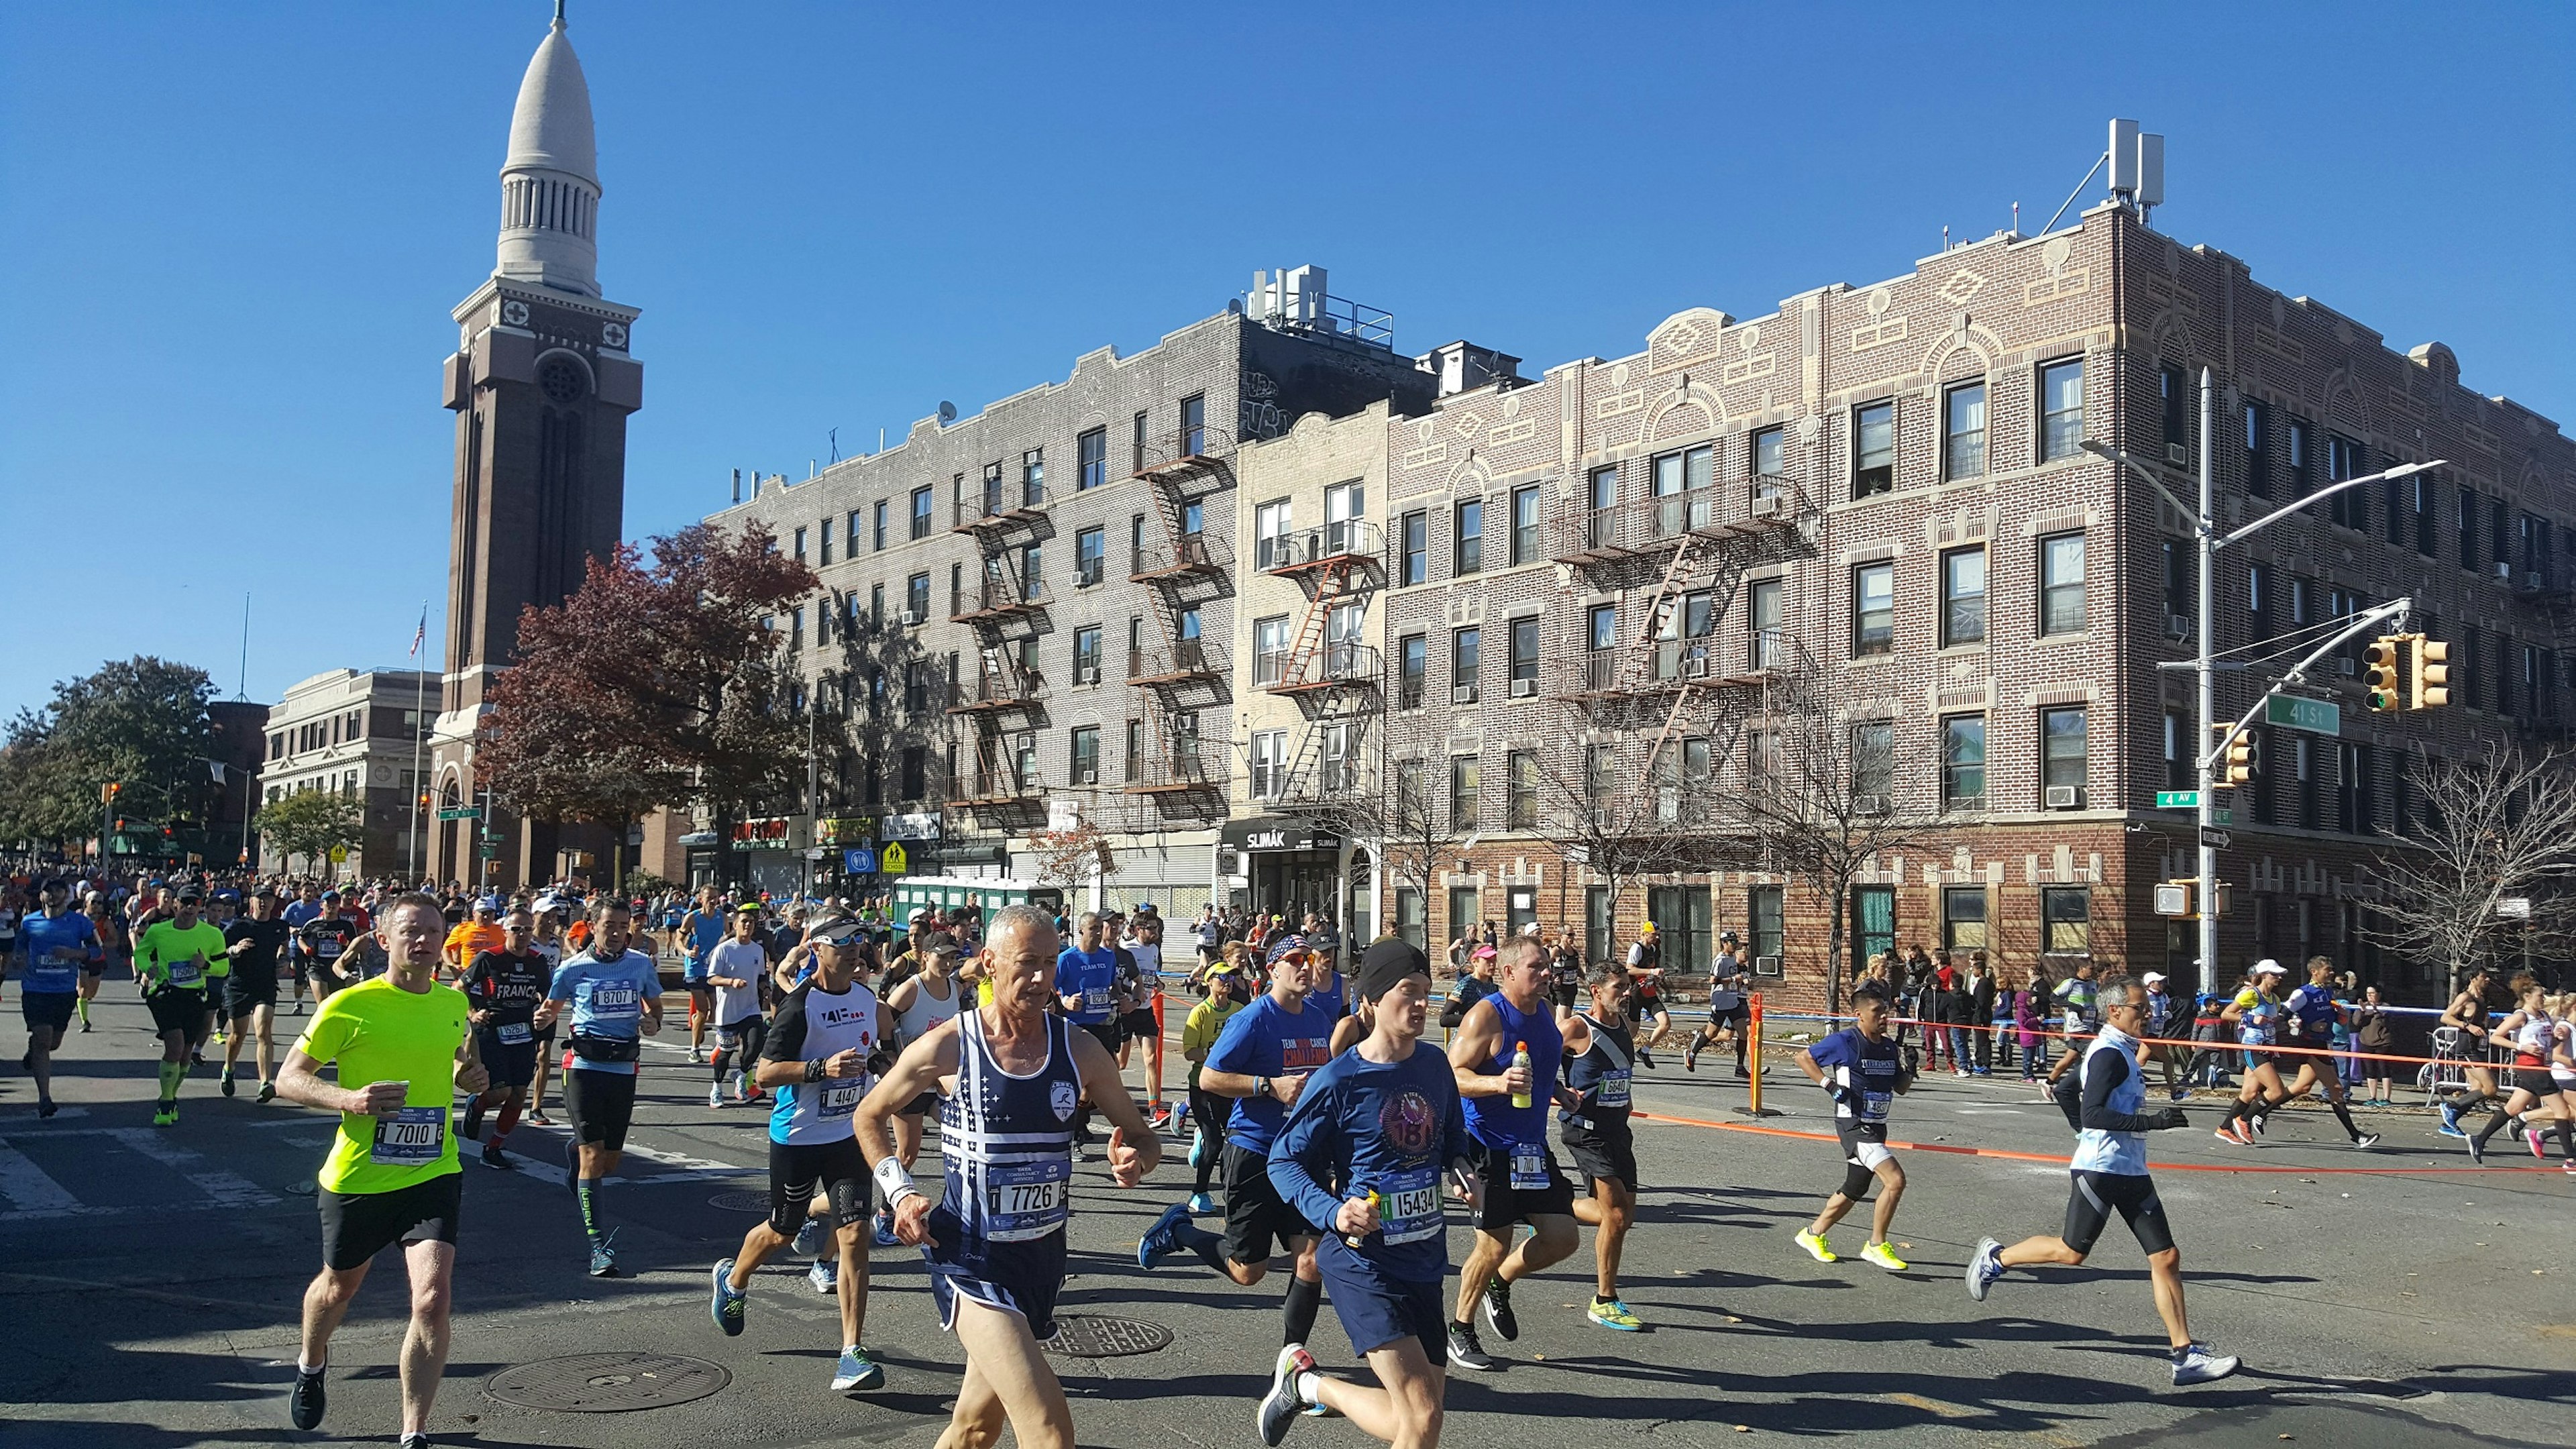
{"points": [[1096, 999], [1026, 1201], [328, 948], [1613, 1091], [1873, 1105], [614, 1003], [1529, 1167], [841, 1097], [1409, 1205], [515, 1033], [412, 1137], [183, 973]]}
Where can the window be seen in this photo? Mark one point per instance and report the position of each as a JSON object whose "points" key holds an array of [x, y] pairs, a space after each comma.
{"points": [[1525, 542], [1086, 754], [1682, 920], [1874, 609], [1412, 794], [916, 598], [2351, 507], [2179, 760], [2061, 584], [1135, 750], [1600, 522], [1468, 555], [1413, 662], [1091, 453], [1597, 925], [1270, 534], [2304, 762], [827, 540], [1414, 566], [1090, 554], [1524, 657], [1520, 791], [823, 620], [1086, 655], [912, 775], [1032, 477], [1269, 763], [1462, 910], [1963, 431], [920, 512], [2258, 438], [2061, 750], [1963, 762], [1873, 925], [1963, 597], [2298, 459], [1682, 483], [1873, 763], [2266, 804], [2421, 490], [2355, 808], [1464, 787], [2061, 410], [2173, 388], [1136, 440], [796, 628], [1766, 912], [800, 545], [1462, 665], [2066, 919], [2258, 601], [1873, 449], [2179, 598], [2395, 501], [1033, 571], [2468, 527], [1193, 425], [1269, 649], [1767, 649], [1963, 918], [1345, 505], [1770, 460], [1409, 925]]}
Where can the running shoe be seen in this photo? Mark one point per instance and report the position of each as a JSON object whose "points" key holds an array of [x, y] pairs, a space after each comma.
{"points": [[1814, 1243], [1198, 1151], [824, 1277], [884, 1234], [809, 1240], [715, 1095], [857, 1373], [1985, 1265], [2260, 1122], [1279, 1407], [1883, 1256], [166, 1115], [2513, 1128], [2477, 1150], [1201, 1205], [2180, 1094], [2228, 1131], [268, 1091], [2532, 1140], [1690, 1055], [697, 1056], [2199, 1366], [1611, 1313], [1497, 1304], [1157, 1244], [227, 1084], [416, 1441], [2451, 1120], [1741, 1074], [603, 1258], [2365, 1142], [2568, 1167], [304, 1402], [85, 1021], [725, 1303], [45, 1107], [498, 1160], [1645, 1058], [1466, 1352]]}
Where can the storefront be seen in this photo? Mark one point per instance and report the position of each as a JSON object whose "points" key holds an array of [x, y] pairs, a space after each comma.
{"points": [[769, 862], [1285, 867], [703, 850]]}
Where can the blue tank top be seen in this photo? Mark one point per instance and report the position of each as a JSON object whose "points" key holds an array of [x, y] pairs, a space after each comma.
{"points": [[1601, 1074], [1006, 1142], [1494, 1121]]}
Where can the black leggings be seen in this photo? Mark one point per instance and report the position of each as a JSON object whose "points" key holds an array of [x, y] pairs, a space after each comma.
{"points": [[1209, 1110], [2096, 1195], [755, 1035]]}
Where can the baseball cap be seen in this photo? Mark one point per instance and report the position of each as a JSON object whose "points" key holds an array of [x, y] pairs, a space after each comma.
{"points": [[920, 916], [1647, 929], [330, 895], [189, 894], [747, 908], [547, 902], [1482, 953], [1223, 968], [2152, 977], [836, 930], [2268, 967], [265, 890]]}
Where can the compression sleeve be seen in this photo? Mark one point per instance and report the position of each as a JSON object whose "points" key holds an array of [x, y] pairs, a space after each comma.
{"points": [[2104, 1072]]}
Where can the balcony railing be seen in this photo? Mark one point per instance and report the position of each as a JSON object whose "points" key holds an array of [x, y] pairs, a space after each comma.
{"points": [[1187, 451], [1185, 765], [1000, 596], [1191, 553], [1593, 535], [1185, 659], [1328, 664], [999, 683], [997, 777], [1348, 539], [993, 504]]}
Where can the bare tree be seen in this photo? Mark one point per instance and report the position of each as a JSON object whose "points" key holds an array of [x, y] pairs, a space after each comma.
{"points": [[1597, 805], [2497, 827], [1413, 836]]}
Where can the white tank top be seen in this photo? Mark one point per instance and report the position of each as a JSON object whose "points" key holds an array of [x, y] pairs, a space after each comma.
{"points": [[926, 1010], [2534, 1038]]}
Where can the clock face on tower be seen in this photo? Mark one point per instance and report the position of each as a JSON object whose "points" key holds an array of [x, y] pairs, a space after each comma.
{"points": [[515, 312]]}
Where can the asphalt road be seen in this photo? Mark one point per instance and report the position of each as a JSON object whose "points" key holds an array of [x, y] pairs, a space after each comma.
{"points": [[149, 1283]]}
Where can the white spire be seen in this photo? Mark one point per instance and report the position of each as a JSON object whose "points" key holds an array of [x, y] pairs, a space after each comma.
{"points": [[550, 181]]}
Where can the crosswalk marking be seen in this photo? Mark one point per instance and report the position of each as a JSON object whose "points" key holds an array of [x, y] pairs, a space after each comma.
{"points": [[31, 1193], [227, 1189]]}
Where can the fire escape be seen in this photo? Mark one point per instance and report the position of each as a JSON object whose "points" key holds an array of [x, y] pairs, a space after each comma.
{"points": [[1179, 671], [1667, 659], [1003, 696], [1335, 679]]}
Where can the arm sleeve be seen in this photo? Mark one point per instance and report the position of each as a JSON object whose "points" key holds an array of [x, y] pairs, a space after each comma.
{"points": [[787, 1032], [1300, 1155], [2104, 1071]]}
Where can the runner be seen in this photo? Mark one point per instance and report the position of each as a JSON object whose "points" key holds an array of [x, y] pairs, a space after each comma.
{"points": [[1597, 1135], [2313, 1013], [171, 961], [2078, 999], [55, 948], [1366, 1147], [479, 933], [548, 942], [700, 930], [2110, 1174], [995, 1238], [2256, 1014], [1227, 995], [115, 948], [1086, 983], [504, 987], [320, 943], [1730, 1017], [1506, 1105], [1646, 969], [254, 943], [1261, 1061], [2165, 1024], [920, 1002], [2534, 1035], [2467, 1015], [614, 993], [823, 1057], [1863, 1069], [402, 1048], [733, 969], [221, 909]]}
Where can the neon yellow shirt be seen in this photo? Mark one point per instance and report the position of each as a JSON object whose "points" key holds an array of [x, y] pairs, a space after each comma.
{"points": [[172, 959], [1205, 1024], [378, 1032]]}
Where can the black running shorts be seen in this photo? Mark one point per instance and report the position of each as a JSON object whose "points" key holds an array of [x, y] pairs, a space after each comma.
{"points": [[601, 1106], [512, 1064], [2096, 1195], [1255, 1213], [180, 1011], [1603, 1149], [798, 1170], [358, 1225], [1505, 1204]]}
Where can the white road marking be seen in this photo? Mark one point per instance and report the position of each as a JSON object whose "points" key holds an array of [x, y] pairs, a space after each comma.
{"points": [[227, 1189], [30, 1190]]}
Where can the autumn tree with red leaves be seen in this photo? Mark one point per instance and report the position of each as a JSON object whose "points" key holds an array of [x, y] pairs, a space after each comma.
{"points": [[655, 684]]}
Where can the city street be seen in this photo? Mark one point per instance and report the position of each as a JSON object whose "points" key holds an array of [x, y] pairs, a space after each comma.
{"points": [[2395, 1298]]}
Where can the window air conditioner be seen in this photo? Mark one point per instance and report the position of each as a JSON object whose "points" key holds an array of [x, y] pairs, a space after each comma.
{"points": [[2531, 581], [2503, 570], [2178, 626], [2064, 797], [1695, 667], [1523, 688], [2346, 666], [1770, 505], [2176, 453], [1766, 965], [911, 618], [1462, 694]]}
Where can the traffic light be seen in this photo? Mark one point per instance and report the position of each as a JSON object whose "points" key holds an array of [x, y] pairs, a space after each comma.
{"points": [[2428, 674], [2379, 677], [2238, 767], [108, 792], [120, 825]]}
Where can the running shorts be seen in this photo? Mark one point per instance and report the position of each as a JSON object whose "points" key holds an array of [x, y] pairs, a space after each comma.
{"points": [[2095, 1195], [1140, 1025], [1738, 1015], [246, 992], [1020, 1278], [1378, 1311], [1603, 1148], [2535, 1080], [798, 1170], [1255, 1213], [1105, 1033], [180, 1011], [921, 1106], [48, 1008], [512, 1064], [730, 1038], [1864, 1148], [1505, 1204], [358, 1225], [601, 1105]]}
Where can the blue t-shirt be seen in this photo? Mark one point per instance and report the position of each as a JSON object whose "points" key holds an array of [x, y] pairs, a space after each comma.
{"points": [[607, 1000], [704, 932], [299, 912], [56, 947], [1863, 1072], [1264, 1040], [1091, 975], [1391, 1128]]}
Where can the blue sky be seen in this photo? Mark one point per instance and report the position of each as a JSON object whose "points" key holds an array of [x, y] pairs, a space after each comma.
{"points": [[230, 234]]}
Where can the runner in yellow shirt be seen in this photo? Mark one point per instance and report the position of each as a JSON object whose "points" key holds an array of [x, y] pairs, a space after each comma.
{"points": [[172, 961]]}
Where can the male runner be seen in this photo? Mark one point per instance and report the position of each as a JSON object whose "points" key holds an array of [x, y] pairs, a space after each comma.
{"points": [[254, 942], [1599, 1051], [1365, 1149], [2312, 1014], [504, 987], [615, 994], [1261, 1061], [1506, 1105], [1730, 1017], [1646, 969], [2256, 1014], [2110, 1174], [392, 1177], [822, 1058], [115, 944], [995, 1238], [733, 968], [54, 946], [2079, 1007], [1086, 983], [171, 961], [1863, 1069], [548, 942], [477, 934], [221, 908], [320, 943], [700, 930], [931, 994]]}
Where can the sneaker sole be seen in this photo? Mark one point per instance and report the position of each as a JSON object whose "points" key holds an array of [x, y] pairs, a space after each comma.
{"points": [[1615, 1327]]}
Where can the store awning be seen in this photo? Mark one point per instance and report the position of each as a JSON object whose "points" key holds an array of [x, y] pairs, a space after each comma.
{"points": [[1275, 832]]}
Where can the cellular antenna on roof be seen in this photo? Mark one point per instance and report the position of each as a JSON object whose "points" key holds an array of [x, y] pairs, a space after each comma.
{"points": [[2137, 161]]}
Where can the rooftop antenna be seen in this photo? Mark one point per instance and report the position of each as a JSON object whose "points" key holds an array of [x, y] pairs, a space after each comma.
{"points": [[241, 688], [2016, 218], [2137, 167], [836, 445], [737, 485]]}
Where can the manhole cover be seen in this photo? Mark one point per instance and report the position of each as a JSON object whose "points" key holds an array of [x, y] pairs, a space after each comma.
{"points": [[1084, 1335], [606, 1383], [741, 1202]]}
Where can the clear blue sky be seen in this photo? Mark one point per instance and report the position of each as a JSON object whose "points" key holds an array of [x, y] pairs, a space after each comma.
{"points": [[230, 234]]}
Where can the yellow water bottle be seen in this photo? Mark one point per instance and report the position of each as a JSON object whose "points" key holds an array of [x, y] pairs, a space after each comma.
{"points": [[1521, 1063]]}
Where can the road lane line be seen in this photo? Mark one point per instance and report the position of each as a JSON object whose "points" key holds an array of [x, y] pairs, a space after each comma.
{"points": [[30, 1189]]}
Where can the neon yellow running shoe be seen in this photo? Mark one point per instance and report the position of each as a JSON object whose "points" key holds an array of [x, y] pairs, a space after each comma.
{"points": [[1884, 1257], [1815, 1246]]}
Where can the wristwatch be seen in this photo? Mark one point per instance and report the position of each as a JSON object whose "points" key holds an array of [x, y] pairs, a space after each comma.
{"points": [[1261, 1086]]}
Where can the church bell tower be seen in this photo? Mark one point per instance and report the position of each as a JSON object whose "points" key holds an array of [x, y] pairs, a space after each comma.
{"points": [[541, 383]]}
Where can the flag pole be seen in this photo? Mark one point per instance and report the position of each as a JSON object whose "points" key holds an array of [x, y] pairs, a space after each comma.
{"points": [[419, 733]]}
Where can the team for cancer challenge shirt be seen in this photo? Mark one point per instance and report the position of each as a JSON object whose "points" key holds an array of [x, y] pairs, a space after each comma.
{"points": [[814, 1024], [57, 947], [607, 1001], [1384, 1127], [1091, 975], [378, 1032], [173, 958], [1862, 1072], [1265, 1039]]}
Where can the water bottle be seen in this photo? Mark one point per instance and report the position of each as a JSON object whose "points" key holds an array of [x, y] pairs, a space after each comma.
{"points": [[1521, 1063]]}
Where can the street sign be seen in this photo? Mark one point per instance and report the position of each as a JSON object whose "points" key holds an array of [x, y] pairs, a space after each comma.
{"points": [[894, 859], [858, 860], [2516, 908], [460, 812], [339, 855], [2225, 816], [2177, 799], [2316, 716], [2216, 839]]}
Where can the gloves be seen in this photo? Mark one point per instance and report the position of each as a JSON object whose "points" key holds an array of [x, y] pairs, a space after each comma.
{"points": [[2166, 1118]]}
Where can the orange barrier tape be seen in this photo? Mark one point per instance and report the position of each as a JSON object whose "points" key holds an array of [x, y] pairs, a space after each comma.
{"points": [[2337, 1053]]}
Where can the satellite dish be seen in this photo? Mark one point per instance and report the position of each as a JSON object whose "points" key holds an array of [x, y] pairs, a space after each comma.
{"points": [[947, 413]]}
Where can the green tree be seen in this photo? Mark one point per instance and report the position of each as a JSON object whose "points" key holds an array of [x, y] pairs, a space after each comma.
{"points": [[311, 824], [141, 722]]}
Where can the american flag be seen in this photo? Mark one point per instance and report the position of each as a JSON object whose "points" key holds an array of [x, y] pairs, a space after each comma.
{"points": [[420, 634]]}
